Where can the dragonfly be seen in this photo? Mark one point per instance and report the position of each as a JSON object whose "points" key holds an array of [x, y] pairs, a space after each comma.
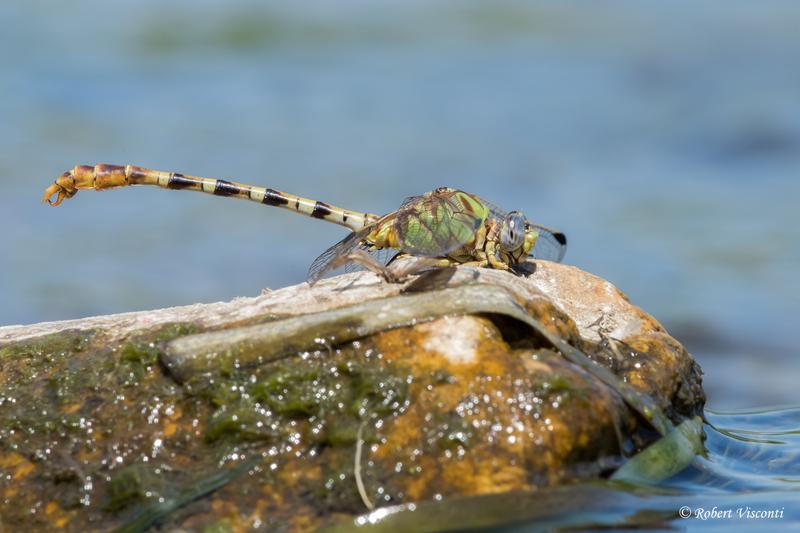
{"points": [[442, 228]]}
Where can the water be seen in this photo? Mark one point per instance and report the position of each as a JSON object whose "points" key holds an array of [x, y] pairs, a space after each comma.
{"points": [[749, 478], [664, 139]]}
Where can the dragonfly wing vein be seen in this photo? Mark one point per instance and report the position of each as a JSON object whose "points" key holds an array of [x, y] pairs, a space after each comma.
{"points": [[436, 225], [551, 244], [383, 256], [327, 260]]}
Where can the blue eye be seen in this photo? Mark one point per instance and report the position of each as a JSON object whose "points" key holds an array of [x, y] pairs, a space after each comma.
{"points": [[512, 234]]}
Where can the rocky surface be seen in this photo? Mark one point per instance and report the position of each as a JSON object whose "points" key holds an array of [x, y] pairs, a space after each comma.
{"points": [[96, 432]]}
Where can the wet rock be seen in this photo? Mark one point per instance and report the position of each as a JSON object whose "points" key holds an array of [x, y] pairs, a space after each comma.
{"points": [[96, 431]]}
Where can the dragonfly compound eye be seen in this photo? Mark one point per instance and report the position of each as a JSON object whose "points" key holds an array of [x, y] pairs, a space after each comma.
{"points": [[512, 234]]}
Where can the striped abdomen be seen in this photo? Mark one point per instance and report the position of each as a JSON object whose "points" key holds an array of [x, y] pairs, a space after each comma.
{"points": [[101, 177]]}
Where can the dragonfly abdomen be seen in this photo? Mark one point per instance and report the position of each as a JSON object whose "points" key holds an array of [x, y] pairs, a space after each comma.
{"points": [[104, 176]]}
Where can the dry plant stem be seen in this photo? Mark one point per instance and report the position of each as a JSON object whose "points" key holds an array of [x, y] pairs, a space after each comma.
{"points": [[357, 468]]}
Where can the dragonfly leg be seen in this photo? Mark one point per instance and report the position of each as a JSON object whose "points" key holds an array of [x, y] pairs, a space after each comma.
{"points": [[444, 262], [491, 257], [482, 263]]}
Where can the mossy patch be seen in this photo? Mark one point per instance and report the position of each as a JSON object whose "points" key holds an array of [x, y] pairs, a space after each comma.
{"points": [[47, 346], [449, 431], [139, 353], [331, 395], [222, 525], [134, 484]]}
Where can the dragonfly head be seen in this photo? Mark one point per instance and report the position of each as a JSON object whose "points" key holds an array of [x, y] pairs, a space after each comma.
{"points": [[517, 237], [512, 232]]}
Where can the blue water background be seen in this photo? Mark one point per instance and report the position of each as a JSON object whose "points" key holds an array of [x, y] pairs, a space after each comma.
{"points": [[663, 138]]}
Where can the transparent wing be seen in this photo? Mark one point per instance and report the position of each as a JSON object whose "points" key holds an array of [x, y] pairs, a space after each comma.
{"points": [[383, 256], [439, 223], [332, 257], [411, 200], [494, 211], [551, 244]]}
